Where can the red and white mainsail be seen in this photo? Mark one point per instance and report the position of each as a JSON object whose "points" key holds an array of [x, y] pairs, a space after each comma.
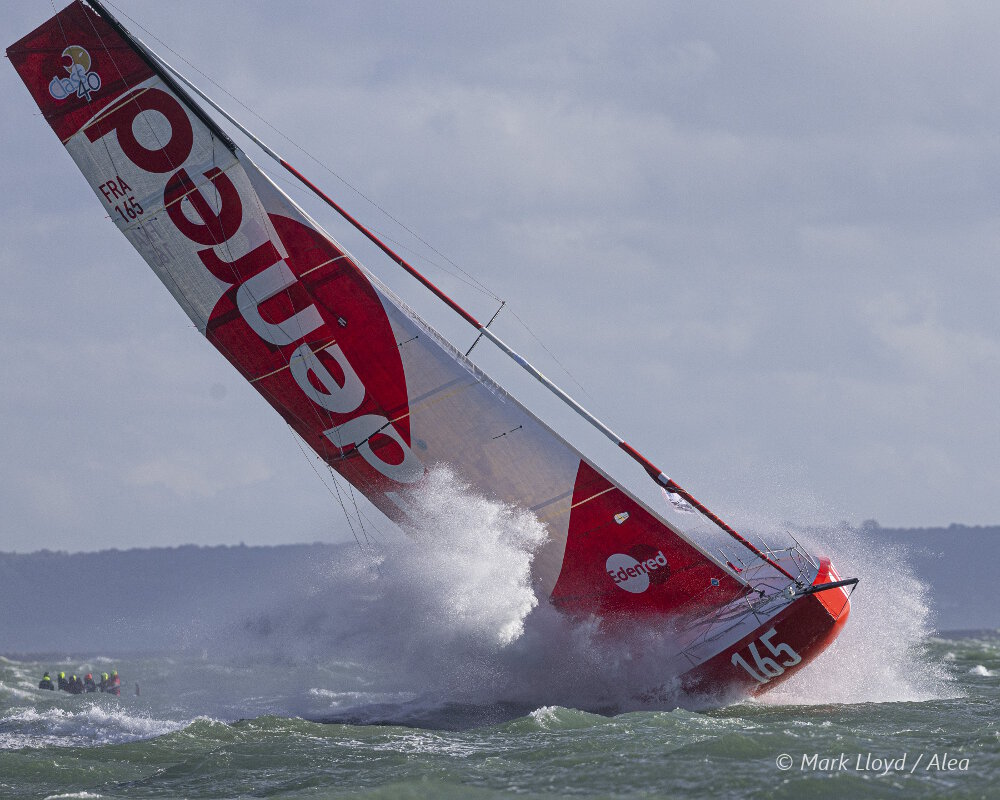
{"points": [[376, 392]]}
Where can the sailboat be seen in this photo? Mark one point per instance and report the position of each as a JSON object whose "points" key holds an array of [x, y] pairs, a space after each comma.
{"points": [[379, 394]]}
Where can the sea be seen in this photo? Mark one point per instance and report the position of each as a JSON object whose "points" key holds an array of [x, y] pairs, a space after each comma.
{"points": [[429, 669], [202, 729]]}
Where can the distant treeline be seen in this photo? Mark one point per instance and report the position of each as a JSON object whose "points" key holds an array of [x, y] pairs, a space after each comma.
{"points": [[146, 600], [954, 528], [142, 600]]}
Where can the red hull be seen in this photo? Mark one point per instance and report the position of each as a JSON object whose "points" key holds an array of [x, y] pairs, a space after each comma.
{"points": [[777, 648]]}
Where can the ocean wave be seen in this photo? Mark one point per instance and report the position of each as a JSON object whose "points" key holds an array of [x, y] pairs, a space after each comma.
{"points": [[24, 694], [90, 725], [551, 718]]}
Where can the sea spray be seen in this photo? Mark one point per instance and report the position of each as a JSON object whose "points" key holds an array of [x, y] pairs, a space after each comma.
{"points": [[468, 566], [428, 613], [447, 616], [881, 653]]}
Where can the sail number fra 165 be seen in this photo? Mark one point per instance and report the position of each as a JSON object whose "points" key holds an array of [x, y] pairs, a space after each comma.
{"points": [[767, 667], [127, 206]]}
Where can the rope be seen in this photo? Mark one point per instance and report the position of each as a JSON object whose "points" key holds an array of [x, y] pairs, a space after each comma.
{"points": [[347, 516]]}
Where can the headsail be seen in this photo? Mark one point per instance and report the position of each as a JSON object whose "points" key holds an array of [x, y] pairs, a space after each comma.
{"points": [[360, 377]]}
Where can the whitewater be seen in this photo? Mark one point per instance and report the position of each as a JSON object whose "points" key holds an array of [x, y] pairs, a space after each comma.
{"points": [[428, 668]]}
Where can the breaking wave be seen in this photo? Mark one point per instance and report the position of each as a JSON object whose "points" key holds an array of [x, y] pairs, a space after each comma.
{"points": [[88, 725]]}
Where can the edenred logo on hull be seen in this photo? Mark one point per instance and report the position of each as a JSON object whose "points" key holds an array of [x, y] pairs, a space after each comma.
{"points": [[631, 574]]}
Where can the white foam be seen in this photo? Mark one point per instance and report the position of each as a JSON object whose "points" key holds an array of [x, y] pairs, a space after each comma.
{"points": [[468, 563], [73, 794], [15, 692], [982, 671], [428, 742], [545, 716]]}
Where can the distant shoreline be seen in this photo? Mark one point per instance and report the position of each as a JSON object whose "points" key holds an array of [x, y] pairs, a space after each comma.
{"points": [[154, 600]]}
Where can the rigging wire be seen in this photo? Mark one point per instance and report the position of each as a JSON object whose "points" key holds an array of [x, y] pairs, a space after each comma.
{"points": [[335, 477], [296, 188], [551, 355], [475, 281], [469, 279], [62, 30], [336, 495]]}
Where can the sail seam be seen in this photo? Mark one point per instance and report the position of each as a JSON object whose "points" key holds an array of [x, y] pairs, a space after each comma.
{"points": [[564, 510], [431, 398], [326, 263], [551, 500]]}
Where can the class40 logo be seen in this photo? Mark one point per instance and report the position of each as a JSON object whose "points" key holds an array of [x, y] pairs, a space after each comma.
{"points": [[82, 81]]}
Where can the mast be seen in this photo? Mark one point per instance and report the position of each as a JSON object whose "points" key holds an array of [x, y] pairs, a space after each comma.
{"points": [[174, 78]]}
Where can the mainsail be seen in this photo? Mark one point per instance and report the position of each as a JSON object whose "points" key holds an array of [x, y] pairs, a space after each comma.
{"points": [[359, 376]]}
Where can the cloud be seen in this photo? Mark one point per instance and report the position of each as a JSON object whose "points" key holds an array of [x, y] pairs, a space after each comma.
{"points": [[197, 474]]}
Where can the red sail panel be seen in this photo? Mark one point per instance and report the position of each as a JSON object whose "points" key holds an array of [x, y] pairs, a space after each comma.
{"points": [[648, 569], [75, 66], [361, 378]]}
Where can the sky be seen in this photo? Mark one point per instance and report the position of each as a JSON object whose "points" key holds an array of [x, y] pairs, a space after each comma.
{"points": [[759, 239]]}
